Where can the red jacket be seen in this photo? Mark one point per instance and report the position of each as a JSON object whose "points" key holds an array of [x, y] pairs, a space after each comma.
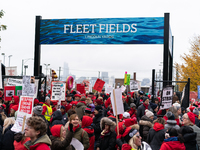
{"points": [[172, 145], [126, 147], [39, 146]]}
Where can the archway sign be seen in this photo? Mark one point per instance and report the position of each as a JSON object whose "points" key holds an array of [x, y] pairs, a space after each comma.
{"points": [[146, 30]]}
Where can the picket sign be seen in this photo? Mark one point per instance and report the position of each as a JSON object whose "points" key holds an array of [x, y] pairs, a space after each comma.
{"points": [[167, 95], [116, 111], [24, 112]]}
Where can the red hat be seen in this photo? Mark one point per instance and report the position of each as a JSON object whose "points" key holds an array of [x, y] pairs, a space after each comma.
{"points": [[129, 122], [108, 102], [86, 121], [55, 130], [36, 101], [41, 103], [191, 117], [88, 110], [68, 107], [123, 96], [110, 112], [77, 95], [191, 108], [15, 107], [54, 103], [99, 102], [4, 106], [126, 132]]}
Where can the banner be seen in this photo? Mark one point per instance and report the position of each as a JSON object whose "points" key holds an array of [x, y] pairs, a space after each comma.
{"points": [[11, 71], [9, 91], [87, 84], [1, 86], [18, 90], [56, 91], [119, 103], [28, 88], [185, 97], [80, 88], [98, 86], [14, 82], [133, 86], [24, 112], [198, 88], [167, 96], [142, 30]]}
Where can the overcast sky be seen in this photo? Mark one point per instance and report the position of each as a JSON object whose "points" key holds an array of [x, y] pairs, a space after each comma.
{"points": [[87, 60]]}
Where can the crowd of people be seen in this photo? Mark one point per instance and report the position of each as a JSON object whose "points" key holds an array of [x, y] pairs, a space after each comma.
{"points": [[89, 118]]}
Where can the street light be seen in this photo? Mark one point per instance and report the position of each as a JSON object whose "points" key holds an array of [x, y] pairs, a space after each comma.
{"points": [[46, 67], [25, 66], [24, 63], [9, 59], [3, 58]]}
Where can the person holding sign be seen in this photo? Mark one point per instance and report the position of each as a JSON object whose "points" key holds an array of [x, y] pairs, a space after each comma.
{"points": [[47, 109], [36, 129]]}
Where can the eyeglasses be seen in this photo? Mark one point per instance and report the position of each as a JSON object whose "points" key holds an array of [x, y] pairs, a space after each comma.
{"points": [[185, 118]]}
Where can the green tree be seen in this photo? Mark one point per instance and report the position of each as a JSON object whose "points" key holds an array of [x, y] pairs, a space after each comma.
{"points": [[190, 66], [2, 27]]}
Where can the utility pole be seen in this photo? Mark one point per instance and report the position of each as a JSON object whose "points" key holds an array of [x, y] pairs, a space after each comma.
{"points": [[99, 75], [59, 72]]}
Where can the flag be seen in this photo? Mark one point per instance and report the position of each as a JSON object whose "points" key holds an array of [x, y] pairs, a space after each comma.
{"points": [[185, 97]]}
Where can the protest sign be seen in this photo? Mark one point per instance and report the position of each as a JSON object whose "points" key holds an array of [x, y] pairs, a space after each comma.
{"points": [[123, 88], [11, 71], [28, 88], [77, 144], [98, 86], [87, 84], [9, 91], [127, 79], [119, 103], [80, 88], [133, 86], [155, 90], [167, 95], [108, 88], [1, 86], [14, 82], [24, 112], [56, 92], [18, 90]]}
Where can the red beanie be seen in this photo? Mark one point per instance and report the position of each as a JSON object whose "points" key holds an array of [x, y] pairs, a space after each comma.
{"points": [[191, 117], [54, 103], [191, 108], [126, 132], [15, 107], [55, 130], [77, 95], [4, 106], [99, 102], [129, 122], [36, 101]]}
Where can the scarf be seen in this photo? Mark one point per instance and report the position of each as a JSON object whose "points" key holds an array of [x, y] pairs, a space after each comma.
{"points": [[103, 133], [146, 106], [74, 128]]}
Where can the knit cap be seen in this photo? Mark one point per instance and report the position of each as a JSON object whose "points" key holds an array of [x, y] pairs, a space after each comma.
{"points": [[191, 117], [132, 105], [126, 115], [170, 115], [38, 110], [148, 113]]}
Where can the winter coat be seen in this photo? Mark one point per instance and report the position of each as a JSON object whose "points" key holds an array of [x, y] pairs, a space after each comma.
{"points": [[58, 144], [172, 124], [42, 143], [196, 130], [80, 135], [20, 145], [86, 125], [141, 111], [156, 136], [107, 141], [56, 118], [80, 108], [96, 125], [172, 143], [8, 139], [126, 107], [145, 125], [197, 122], [64, 118], [1, 130]]}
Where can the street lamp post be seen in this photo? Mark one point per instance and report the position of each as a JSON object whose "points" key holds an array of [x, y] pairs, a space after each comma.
{"points": [[3, 58], [25, 66], [9, 59], [24, 63], [46, 67]]}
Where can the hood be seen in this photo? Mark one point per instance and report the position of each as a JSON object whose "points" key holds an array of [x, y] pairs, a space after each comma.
{"points": [[111, 123], [171, 122], [158, 126], [190, 136], [89, 130], [127, 147], [86, 121], [135, 126], [146, 123], [80, 104], [43, 139], [145, 118], [175, 145], [56, 130], [16, 100], [57, 115]]}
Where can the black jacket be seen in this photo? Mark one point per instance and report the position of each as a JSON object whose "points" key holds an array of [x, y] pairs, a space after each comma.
{"points": [[141, 111], [190, 141], [1, 130], [107, 142], [197, 122], [57, 118], [64, 118], [96, 125], [126, 107], [8, 139], [155, 138]]}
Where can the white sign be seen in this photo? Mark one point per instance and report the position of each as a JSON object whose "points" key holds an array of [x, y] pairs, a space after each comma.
{"points": [[133, 86], [123, 88], [77, 144], [28, 88], [119, 103], [10, 93], [14, 82], [167, 95], [11, 71], [24, 112], [108, 88], [56, 94], [0, 77]]}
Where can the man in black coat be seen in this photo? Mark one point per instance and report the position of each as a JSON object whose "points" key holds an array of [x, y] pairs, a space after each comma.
{"points": [[141, 93], [126, 107], [96, 121], [142, 108]]}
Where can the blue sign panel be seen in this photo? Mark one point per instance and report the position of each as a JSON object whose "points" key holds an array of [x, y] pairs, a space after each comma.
{"points": [[198, 88], [103, 31]]}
